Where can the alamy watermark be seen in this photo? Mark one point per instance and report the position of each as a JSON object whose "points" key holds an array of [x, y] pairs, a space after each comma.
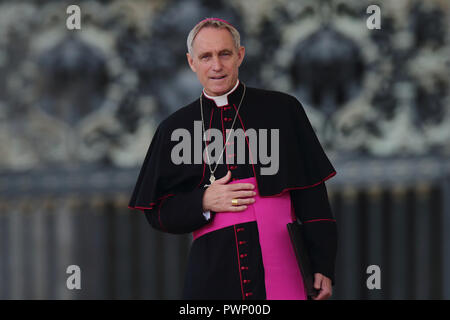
{"points": [[257, 141], [73, 22], [74, 280], [374, 20], [374, 280]]}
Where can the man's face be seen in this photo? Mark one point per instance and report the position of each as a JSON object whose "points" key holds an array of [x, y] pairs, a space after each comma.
{"points": [[215, 60]]}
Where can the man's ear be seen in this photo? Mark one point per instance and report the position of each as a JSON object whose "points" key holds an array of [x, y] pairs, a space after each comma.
{"points": [[241, 55], [191, 62]]}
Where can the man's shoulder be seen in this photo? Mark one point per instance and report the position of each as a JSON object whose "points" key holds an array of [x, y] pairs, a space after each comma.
{"points": [[181, 117], [272, 96], [269, 100]]}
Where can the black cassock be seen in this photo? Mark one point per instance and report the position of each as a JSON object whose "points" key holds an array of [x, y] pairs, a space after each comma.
{"points": [[171, 194]]}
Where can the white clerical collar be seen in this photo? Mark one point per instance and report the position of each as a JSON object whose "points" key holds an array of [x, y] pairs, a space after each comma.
{"points": [[223, 99]]}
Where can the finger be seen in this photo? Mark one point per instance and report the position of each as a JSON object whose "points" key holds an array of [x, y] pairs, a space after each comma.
{"points": [[241, 186], [242, 201], [320, 296], [323, 295], [242, 194], [327, 288], [237, 208], [324, 287], [317, 282], [224, 179]]}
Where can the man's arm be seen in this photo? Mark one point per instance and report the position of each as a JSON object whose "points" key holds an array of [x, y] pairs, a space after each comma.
{"points": [[179, 213], [189, 211], [312, 207]]}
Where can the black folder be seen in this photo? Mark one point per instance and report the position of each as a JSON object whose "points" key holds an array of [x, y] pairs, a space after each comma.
{"points": [[301, 253]]}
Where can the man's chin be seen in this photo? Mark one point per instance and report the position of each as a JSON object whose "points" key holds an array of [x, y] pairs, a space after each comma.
{"points": [[218, 90]]}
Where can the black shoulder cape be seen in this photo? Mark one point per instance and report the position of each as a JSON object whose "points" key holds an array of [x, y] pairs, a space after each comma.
{"points": [[302, 160]]}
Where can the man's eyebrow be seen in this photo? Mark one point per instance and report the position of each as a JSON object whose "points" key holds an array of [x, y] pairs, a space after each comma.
{"points": [[208, 53], [202, 54]]}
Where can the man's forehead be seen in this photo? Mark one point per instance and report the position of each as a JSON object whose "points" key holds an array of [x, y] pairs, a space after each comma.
{"points": [[212, 39]]}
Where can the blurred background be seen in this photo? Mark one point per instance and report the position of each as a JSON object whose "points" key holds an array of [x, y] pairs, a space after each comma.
{"points": [[78, 109]]}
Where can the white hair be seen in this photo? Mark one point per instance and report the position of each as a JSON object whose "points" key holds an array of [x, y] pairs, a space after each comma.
{"points": [[214, 23]]}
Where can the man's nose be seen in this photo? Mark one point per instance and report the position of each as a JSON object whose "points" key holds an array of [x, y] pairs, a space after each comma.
{"points": [[216, 63]]}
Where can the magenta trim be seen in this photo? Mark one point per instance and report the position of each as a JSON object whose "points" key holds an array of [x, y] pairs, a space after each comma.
{"points": [[152, 204], [159, 214], [223, 135], [248, 145], [239, 263], [317, 220], [304, 187]]}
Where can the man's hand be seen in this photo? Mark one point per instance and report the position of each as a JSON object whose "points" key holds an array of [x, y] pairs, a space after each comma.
{"points": [[219, 194], [323, 285]]}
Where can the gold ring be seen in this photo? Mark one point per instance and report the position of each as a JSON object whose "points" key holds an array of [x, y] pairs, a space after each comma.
{"points": [[234, 202]]}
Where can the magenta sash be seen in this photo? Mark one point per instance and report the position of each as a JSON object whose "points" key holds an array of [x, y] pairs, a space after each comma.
{"points": [[283, 279]]}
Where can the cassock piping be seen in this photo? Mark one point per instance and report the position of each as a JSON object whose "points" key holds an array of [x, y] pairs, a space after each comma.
{"points": [[239, 263], [223, 135], [248, 145]]}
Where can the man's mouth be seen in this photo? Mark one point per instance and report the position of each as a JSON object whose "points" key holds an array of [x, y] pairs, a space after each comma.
{"points": [[217, 78]]}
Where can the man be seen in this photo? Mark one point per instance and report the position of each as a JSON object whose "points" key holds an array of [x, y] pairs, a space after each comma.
{"points": [[236, 211]]}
